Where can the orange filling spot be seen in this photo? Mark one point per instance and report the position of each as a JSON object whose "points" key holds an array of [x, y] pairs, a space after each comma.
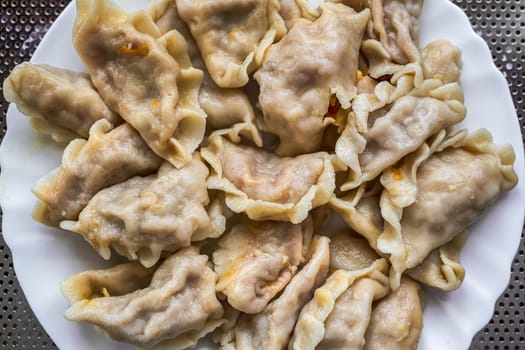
{"points": [[142, 50], [398, 174], [155, 103], [233, 33]]}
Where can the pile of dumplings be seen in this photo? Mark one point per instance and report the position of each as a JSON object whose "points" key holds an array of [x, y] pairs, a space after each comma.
{"points": [[279, 176]]}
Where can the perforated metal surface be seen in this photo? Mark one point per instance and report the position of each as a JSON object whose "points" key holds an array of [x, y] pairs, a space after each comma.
{"points": [[500, 22]]}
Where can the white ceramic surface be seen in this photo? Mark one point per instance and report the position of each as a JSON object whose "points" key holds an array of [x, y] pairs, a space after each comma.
{"points": [[43, 257]]}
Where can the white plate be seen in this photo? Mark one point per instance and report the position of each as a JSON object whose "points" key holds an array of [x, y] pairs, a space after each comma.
{"points": [[43, 257]]}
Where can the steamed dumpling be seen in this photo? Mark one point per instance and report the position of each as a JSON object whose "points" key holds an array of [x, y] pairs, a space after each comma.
{"points": [[232, 35], [109, 156], [228, 109], [175, 307], [145, 216], [313, 61], [149, 82], [60, 102], [256, 260], [271, 328], [268, 187]]}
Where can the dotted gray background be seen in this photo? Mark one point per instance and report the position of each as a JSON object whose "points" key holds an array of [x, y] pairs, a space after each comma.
{"points": [[501, 23]]}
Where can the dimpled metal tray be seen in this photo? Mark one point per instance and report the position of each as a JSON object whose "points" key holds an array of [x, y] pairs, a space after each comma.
{"points": [[501, 23]]}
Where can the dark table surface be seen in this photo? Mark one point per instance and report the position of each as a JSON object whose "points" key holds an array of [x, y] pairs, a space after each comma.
{"points": [[501, 23]]}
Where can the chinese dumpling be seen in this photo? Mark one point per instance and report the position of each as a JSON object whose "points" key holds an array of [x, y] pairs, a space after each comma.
{"points": [[338, 314], [256, 260], [107, 157], [266, 186], [173, 307], [271, 328], [232, 35], [397, 319], [145, 216], [227, 109], [395, 25], [60, 102], [299, 74], [441, 268], [453, 188], [150, 83], [399, 130]]}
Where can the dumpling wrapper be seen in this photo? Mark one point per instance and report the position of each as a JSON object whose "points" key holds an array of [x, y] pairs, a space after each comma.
{"points": [[395, 23], [228, 110], [256, 260], [361, 210], [177, 306], [312, 327], [146, 216], [232, 35], [107, 157], [397, 320], [453, 188], [405, 126], [60, 102], [271, 328], [295, 91], [268, 187], [442, 269], [150, 83]]}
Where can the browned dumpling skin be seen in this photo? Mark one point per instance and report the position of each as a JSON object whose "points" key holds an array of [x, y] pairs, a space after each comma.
{"points": [[227, 109], [397, 320], [266, 186], [149, 83], [256, 260], [232, 35], [177, 303], [271, 328], [60, 102], [295, 91], [109, 156], [146, 216]]}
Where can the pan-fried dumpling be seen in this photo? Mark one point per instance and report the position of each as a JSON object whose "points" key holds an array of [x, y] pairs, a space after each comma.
{"points": [[145, 216], [227, 109], [60, 102], [232, 35], [175, 308], [397, 320], [271, 328], [149, 82], [108, 157], [400, 130], [312, 62], [453, 188], [321, 320], [256, 260], [268, 187]]}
